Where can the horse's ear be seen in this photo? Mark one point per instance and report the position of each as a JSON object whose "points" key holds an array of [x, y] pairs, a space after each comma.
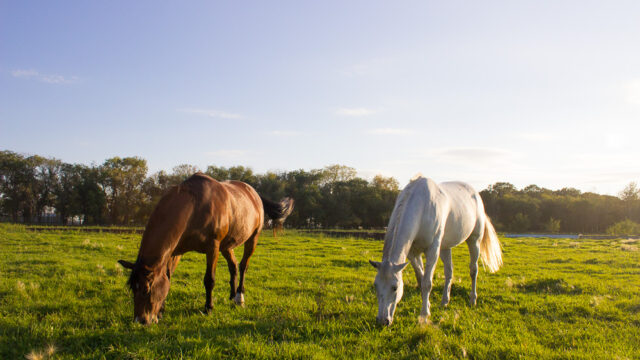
{"points": [[126, 264], [399, 267], [375, 264]]}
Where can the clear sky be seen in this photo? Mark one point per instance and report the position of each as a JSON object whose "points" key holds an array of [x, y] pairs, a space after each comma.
{"points": [[529, 92]]}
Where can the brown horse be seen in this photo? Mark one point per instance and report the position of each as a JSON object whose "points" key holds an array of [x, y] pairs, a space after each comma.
{"points": [[202, 215]]}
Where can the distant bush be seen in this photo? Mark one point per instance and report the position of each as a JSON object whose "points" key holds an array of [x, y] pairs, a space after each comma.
{"points": [[521, 222], [552, 226], [624, 227]]}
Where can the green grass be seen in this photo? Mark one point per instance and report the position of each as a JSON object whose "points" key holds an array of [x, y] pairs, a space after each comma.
{"points": [[309, 296]]}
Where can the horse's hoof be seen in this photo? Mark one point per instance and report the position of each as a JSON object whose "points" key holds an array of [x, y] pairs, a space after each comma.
{"points": [[208, 309], [473, 302], [423, 320], [444, 304], [239, 299]]}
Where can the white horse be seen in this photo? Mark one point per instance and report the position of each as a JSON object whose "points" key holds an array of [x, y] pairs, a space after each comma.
{"points": [[432, 218]]}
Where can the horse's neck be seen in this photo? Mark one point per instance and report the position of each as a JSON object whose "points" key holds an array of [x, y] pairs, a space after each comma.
{"points": [[398, 246], [166, 226], [397, 251], [405, 222], [158, 244], [407, 219], [154, 255]]}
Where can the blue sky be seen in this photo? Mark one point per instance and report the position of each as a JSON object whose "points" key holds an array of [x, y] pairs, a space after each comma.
{"points": [[537, 92]]}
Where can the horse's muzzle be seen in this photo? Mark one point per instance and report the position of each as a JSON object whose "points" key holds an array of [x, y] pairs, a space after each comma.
{"points": [[146, 320]]}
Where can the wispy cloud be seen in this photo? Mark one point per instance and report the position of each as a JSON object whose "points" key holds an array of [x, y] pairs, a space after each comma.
{"points": [[24, 73], [45, 78], [355, 112], [284, 133], [472, 155], [211, 113], [368, 67], [390, 131]]}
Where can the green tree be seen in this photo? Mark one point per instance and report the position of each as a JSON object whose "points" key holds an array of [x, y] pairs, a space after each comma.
{"points": [[385, 183], [625, 227], [122, 180], [92, 199], [17, 185], [630, 192], [552, 226], [336, 173], [240, 173], [46, 172], [303, 186], [183, 171], [67, 194], [520, 222]]}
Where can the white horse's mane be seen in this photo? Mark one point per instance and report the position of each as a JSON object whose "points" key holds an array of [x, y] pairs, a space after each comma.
{"points": [[398, 211]]}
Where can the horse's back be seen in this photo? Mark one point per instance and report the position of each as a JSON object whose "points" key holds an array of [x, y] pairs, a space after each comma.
{"points": [[464, 212], [246, 211], [230, 209], [246, 200], [424, 207]]}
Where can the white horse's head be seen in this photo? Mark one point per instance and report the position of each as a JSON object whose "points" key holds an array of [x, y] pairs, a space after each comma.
{"points": [[389, 288]]}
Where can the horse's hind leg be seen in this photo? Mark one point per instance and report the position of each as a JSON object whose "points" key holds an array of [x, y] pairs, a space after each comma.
{"points": [[418, 268], [210, 274], [445, 255], [249, 247], [233, 270], [474, 254]]}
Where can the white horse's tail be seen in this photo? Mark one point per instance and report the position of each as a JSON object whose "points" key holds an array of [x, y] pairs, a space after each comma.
{"points": [[490, 249]]}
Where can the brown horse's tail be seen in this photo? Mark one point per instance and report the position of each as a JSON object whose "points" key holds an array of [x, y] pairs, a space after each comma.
{"points": [[277, 211]]}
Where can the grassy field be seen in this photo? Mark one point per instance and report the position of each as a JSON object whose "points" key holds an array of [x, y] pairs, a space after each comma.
{"points": [[308, 296]]}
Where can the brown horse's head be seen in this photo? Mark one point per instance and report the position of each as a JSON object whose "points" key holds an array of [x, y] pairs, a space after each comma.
{"points": [[150, 288]]}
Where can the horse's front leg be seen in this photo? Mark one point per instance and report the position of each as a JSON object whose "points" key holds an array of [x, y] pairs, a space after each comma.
{"points": [[171, 266], [210, 275], [418, 268], [431, 259], [445, 256]]}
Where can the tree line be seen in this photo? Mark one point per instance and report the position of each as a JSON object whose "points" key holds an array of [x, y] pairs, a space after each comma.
{"points": [[121, 192], [537, 209]]}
